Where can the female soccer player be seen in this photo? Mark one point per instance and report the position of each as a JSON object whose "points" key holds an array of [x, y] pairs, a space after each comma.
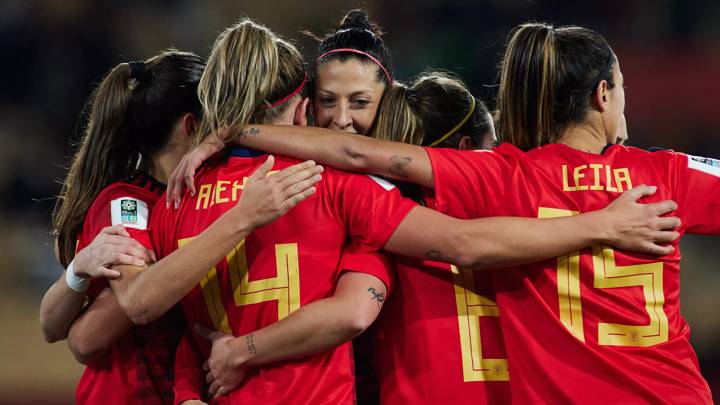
{"points": [[609, 321], [437, 110], [141, 119], [350, 75]]}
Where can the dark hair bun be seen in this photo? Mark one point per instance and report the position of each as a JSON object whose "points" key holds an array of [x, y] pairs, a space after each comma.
{"points": [[356, 19]]}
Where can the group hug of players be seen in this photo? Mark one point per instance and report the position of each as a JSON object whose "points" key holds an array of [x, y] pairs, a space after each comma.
{"points": [[543, 271]]}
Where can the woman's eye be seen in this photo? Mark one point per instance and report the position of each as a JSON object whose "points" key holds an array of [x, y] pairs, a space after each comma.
{"points": [[326, 101], [361, 103]]}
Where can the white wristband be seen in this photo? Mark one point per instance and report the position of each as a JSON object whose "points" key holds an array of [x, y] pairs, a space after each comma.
{"points": [[74, 281]]}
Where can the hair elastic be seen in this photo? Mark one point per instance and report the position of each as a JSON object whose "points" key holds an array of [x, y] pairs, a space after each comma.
{"points": [[289, 96], [137, 68], [388, 76], [459, 125]]}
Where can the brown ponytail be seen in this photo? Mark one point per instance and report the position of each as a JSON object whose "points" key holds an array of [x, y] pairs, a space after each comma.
{"points": [[527, 86], [546, 78], [126, 117]]}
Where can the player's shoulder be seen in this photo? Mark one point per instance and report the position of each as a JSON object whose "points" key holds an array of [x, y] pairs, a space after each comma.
{"points": [[654, 156], [119, 190]]}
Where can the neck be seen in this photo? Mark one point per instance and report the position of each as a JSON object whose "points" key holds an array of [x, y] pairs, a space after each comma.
{"points": [[588, 136], [165, 161]]}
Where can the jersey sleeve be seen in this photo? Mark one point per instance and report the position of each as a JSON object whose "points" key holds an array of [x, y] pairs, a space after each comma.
{"points": [[468, 183], [371, 207], [189, 377], [375, 264], [698, 193], [161, 229], [119, 207]]}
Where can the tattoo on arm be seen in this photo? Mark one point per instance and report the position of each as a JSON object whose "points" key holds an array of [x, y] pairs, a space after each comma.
{"points": [[433, 255], [249, 132], [250, 342], [398, 165], [380, 297]]}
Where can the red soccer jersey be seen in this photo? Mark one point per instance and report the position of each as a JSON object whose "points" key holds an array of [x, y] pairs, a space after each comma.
{"points": [[439, 338], [279, 267], [139, 366], [600, 325]]}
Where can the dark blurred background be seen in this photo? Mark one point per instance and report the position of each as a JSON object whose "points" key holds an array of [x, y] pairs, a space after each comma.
{"points": [[53, 51]]}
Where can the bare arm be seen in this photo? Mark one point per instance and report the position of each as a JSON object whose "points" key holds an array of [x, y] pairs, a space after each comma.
{"points": [[505, 241], [92, 334], [146, 295], [356, 153], [59, 307], [316, 327], [61, 304]]}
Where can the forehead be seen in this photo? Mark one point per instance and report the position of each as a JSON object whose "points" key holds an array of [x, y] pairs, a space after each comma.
{"points": [[348, 76]]}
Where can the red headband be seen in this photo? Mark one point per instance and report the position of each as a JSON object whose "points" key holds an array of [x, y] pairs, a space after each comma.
{"points": [[359, 52], [291, 95]]}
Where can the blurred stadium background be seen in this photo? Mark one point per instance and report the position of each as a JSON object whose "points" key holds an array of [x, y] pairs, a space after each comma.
{"points": [[54, 50]]}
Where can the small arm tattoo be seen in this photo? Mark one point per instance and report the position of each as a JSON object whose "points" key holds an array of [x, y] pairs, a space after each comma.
{"points": [[250, 342], [249, 132], [398, 165], [433, 255], [376, 295]]}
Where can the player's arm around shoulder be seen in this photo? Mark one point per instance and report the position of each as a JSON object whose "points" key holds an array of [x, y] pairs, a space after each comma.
{"points": [[316, 327]]}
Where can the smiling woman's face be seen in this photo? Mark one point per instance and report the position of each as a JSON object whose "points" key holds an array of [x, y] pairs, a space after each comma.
{"points": [[347, 95]]}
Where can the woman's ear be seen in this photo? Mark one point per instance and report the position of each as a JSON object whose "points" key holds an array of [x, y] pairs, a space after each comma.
{"points": [[189, 125], [601, 96], [300, 117], [466, 143]]}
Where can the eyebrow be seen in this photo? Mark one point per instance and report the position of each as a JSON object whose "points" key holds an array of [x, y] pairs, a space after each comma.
{"points": [[353, 94]]}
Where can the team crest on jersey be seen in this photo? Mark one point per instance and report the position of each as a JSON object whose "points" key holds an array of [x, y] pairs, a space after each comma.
{"points": [[129, 212], [703, 164]]}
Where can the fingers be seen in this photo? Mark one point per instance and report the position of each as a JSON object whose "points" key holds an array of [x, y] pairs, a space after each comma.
{"points": [[209, 377], [668, 223], [220, 392], [294, 169], [657, 250], [639, 192], [116, 230], [189, 178], [312, 174], [301, 186], [262, 171], [172, 184], [151, 255], [206, 366], [109, 273], [214, 387], [126, 259], [123, 251], [663, 207], [120, 241], [296, 199], [666, 236]]}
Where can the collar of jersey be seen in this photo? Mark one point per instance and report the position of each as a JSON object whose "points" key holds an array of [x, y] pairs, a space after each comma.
{"points": [[244, 152]]}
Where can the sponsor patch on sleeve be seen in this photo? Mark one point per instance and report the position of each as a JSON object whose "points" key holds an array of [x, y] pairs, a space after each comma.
{"points": [[129, 212], [703, 164], [382, 182]]}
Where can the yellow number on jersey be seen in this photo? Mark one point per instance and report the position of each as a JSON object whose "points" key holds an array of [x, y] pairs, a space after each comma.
{"points": [[608, 275], [471, 306], [283, 288]]}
